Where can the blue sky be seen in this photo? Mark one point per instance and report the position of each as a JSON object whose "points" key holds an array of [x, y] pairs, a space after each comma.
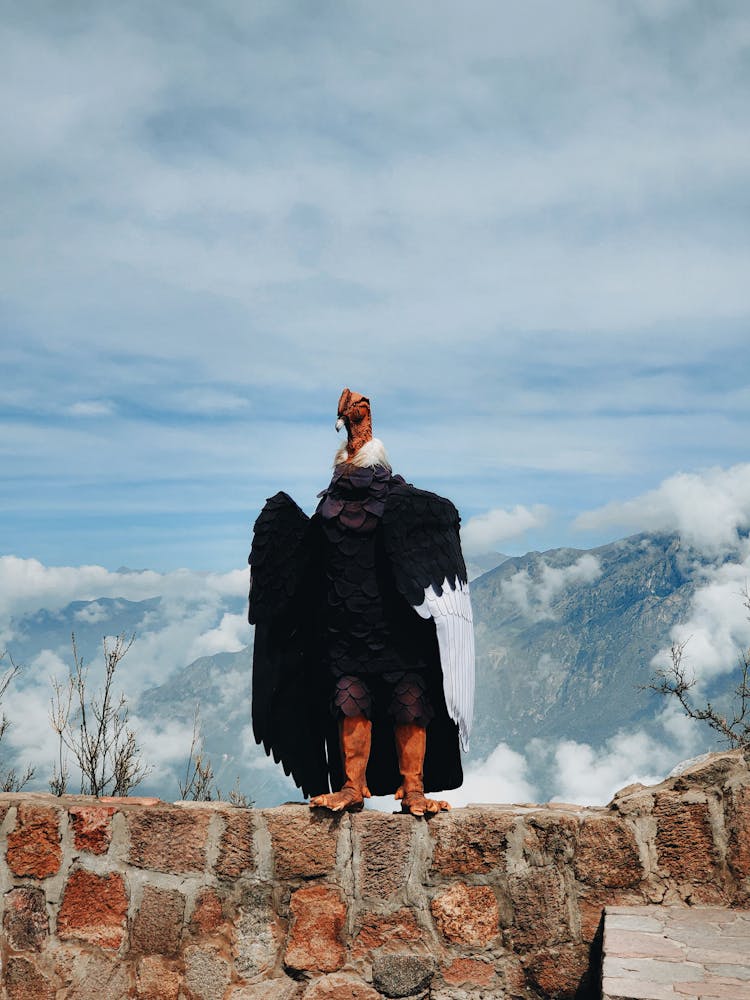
{"points": [[521, 229]]}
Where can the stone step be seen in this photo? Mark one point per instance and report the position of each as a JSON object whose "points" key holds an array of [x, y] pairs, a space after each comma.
{"points": [[676, 953]]}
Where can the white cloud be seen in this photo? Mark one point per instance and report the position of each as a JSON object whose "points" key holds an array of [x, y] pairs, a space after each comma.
{"points": [[486, 532], [500, 777], [91, 408], [533, 596], [708, 509], [229, 636]]}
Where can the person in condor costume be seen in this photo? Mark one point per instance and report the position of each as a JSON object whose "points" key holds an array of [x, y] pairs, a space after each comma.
{"points": [[363, 665]]}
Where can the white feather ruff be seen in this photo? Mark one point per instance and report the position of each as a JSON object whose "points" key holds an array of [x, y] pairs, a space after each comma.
{"points": [[454, 624], [371, 453]]}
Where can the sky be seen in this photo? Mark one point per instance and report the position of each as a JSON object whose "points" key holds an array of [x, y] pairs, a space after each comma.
{"points": [[520, 229]]}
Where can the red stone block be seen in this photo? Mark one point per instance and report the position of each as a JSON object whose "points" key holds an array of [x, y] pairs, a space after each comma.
{"points": [[25, 921], [738, 823], [94, 909], [550, 837], [387, 931], [340, 987], [23, 981], [384, 842], [469, 971], [157, 927], [168, 839], [318, 915], [680, 823], [540, 912], [34, 845], [207, 914], [236, 854], [469, 843], [467, 914], [304, 841], [558, 972], [92, 828], [157, 979], [607, 854]]}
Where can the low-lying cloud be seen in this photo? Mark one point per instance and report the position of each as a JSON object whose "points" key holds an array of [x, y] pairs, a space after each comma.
{"points": [[486, 532], [533, 596]]}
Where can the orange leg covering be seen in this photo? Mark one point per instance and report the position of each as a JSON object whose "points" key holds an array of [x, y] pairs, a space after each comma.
{"points": [[355, 734], [411, 744]]}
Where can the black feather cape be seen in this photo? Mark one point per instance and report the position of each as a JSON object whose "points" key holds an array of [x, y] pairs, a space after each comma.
{"points": [[334, 594]]}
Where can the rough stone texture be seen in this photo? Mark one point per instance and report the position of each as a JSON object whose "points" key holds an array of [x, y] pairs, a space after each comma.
{"points": [[208, 914], [471, 971], [255, 934], [402, 975], [34, 845], [540, 914], [470, 842], [236, 854], [168, 840], [25, 920], [679, 823], [501, 901], [97, 976], [383, 841], [607, 854], [157, 927], [157, 979], [387, 931], [340, 987], [92, 828], [94, 909], [207, 974], [23, 981], [315, 943], [304, 841], [467, 914]]}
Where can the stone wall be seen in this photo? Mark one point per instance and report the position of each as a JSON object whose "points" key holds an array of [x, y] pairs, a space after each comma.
{"points": [[136, 898]]}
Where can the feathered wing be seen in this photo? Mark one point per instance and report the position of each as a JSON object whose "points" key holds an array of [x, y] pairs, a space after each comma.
{"points": [[287, 718], [421, 533]]}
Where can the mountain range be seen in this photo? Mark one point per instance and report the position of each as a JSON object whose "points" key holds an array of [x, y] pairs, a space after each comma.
{"points": [[564, 639]]}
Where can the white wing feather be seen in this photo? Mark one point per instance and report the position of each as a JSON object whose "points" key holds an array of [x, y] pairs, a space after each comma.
{"points": [[454, 624]]}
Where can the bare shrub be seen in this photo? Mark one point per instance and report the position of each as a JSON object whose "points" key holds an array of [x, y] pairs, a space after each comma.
{"points": [[10, 780]]}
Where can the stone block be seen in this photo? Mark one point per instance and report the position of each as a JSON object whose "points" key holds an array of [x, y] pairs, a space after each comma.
{"points": [[402, 975], [540, 912], [467, 914], [560, 972], [304, 841], [94, 909], [738, 824], [469, 972], [157, 927], [680, 823], [607, 854], [256, 936], [168, 839], [25, 920], [315, 944], [383, 843], [550, 838], [157, 979], [24, 981], [34, 845], [385, 930], [208, 914], [96, 976], [470, 842], [92, 828], [340, 987], [268, 989], [236, 851], [207, 973]]}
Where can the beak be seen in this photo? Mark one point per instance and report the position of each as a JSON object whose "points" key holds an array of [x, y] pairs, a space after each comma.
{"points": [[339, 424]]}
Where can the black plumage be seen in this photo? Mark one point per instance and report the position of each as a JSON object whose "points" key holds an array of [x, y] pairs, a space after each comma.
{"points": [[333, 596]]}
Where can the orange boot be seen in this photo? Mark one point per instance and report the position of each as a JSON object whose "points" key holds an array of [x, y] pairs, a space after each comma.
{"points": [[411, 744], [355, 733]]}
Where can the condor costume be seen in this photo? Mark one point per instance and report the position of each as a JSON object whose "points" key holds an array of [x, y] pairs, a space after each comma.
{"points": [[363, 668]]}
